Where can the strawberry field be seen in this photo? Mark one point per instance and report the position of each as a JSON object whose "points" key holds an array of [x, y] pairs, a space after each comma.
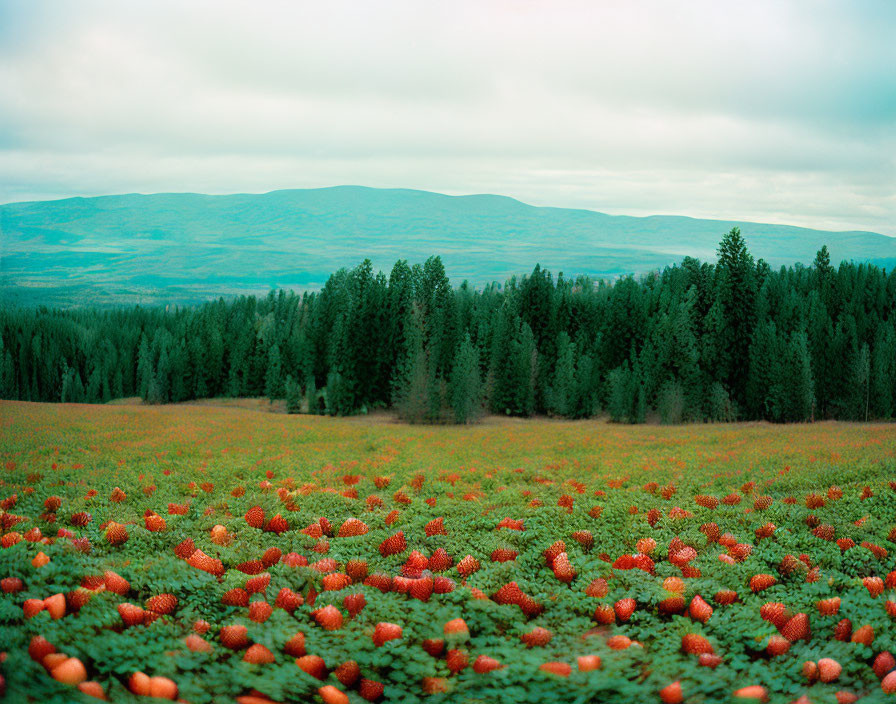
{"points": [[228, 555]]}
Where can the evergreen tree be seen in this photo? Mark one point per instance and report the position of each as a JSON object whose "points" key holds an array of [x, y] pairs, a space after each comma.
{"points": [[273, 382], [466, 386], [561, 396], [293, 396]]}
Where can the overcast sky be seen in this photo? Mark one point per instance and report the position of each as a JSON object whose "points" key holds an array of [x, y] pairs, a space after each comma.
{"points": [[772, 111]]}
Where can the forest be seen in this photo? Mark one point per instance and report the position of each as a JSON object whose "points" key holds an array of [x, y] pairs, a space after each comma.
{"points": [[696, 342]]}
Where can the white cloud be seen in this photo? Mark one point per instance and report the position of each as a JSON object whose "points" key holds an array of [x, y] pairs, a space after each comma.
{"points": [[770, 111]]}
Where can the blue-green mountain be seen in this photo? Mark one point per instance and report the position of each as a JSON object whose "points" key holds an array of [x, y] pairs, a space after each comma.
{"points": [[185, 247]]}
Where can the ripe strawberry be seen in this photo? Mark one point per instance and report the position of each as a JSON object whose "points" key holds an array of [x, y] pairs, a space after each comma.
{"points": [[116, 583], [598, 588], [563, 569], [260, 611], [699, 610], [695, 644], [605, 614], [11, 585], [201, 627], [336, 581], [393, 545], [255, 517], [874, 585], [271, 557], [421, 589], [445, 585], [828, 607], [888, 684], [561, 669], [352, 527], [32, 607], [829, 670], [797, 628], [258, 584], [197, 645], [484, 663], [777, 645], [380, 581], [235, 597], [329, 618], [671, 693], [257, 654], [314, 665], [434, 646], [883, 663], [672, 605], [370, 689], [234, 637], [843, 630], [753, 691], [538, 637], [384, 632], [251, 567], [587, 663], [80, 519], [624, 609], [162, 604], [288, 600], [154, 523], [810, 670], [435, 527], [551, 553], [467, 566], [710, 660], [131, 615], [457, 660], [203, 562], [761, 582], [185, 549], [440, 561], [348, 673], [116, 533], [775, 613], [619, 642], [277, 525], [864, 635], [295, 646]]}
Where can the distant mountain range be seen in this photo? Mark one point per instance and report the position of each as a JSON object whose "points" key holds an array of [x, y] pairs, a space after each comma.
{"points": [[184, 247]]}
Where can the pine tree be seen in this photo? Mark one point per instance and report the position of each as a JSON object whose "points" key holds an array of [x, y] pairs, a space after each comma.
{"points": [[561, 396], [413, 383], [293, 396], [466, 385], [883, 373], [273, 380]]}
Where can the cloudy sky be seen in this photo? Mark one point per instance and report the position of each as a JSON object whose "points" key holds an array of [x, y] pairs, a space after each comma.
{"points": [[773, 111]]}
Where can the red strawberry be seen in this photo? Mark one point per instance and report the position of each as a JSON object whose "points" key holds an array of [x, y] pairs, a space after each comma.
{"points": [[32, 607], [357, 570], [710, 660], [775, 613], [440, 561], [584, 538], [348, 673], [162, 604], [116, 583], [380, 581], [536, 638], [258, 584], [185, 549], [874, 585], [457, 660], [257, 654], [295, 646], [484, 663], [131, 615], [277, 525], [605, 615], [777, 645], [370, 689], [435, 527], [504, 555], [116, 533], [271, 557], [155, 523], [384, 632], [467, 566], [197, 645], [761, 582], [393, 545], [624, 609], [699, 610], [563, 569], [551, 553], [695, 644], [829, 670], [883, 663], [443, 585], [843, 630], [336, 581], [39, 647], [11, 585], [251, 567], [314, 665], [864, 635], [797, 628], [560, 669], [235, 597], [434, 646], [255, 517], [234, 637], [671, 693], [288, 600], [828, 607], [351, 528], [260, 611], [598, 588], [329, 618]]}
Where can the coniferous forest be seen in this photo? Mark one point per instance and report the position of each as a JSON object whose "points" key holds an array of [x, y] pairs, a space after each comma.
{"points": [[728, 341]]}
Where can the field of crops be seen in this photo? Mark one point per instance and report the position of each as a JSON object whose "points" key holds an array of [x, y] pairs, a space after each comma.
{"points": [[229, 555]]}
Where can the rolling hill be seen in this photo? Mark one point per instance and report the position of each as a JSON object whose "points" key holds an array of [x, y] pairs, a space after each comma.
{"points": [[184, 247]]}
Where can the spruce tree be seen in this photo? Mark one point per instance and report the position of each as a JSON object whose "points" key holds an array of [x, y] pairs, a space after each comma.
{"points": [[466, 386]]}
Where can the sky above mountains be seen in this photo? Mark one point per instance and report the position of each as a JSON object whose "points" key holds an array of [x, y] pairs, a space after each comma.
{"points": [[769, 111]]}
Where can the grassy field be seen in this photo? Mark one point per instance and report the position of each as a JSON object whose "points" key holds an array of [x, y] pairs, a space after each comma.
{"points": [[606, 562]]}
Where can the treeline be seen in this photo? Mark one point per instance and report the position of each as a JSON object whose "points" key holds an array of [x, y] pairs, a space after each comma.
{"points": [[696, 342]]}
